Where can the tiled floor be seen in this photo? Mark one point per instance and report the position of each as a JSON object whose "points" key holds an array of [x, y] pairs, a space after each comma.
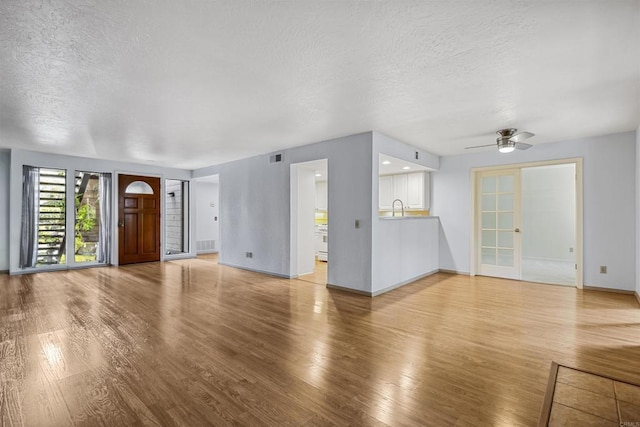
{"points": [[547, 271], [587, 399]]}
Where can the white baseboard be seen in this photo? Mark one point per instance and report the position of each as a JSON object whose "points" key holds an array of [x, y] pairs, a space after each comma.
{"points": [[255, 270], [382, 291], [612, 290], [353, 291], [462, 273], [406, 282]]}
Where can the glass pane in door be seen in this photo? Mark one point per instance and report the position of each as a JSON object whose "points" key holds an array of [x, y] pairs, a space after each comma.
{"points": [[497, 211], [488, 239], [51, 217], [505, 220], [87, 223]]}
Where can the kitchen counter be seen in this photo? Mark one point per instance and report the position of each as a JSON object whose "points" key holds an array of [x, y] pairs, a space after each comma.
{"points": [[405, 248]]}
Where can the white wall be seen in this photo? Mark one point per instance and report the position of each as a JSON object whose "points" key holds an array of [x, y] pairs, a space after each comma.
{"points": [[549, 212], [255, 209], [206, 225], [302, 218], [21, 157], [405, 250], [637, 259], [5, 162], [609, 203]]}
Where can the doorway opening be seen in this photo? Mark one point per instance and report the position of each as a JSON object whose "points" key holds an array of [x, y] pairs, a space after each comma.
{"points": [[528, 222], [549, 224], [310, 221], [207, 205]]}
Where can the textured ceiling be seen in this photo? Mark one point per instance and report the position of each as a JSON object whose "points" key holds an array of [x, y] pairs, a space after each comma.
{"points": [[195, 83]]}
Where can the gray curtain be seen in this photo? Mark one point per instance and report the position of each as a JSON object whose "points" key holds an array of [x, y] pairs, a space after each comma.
{"points": [[104, 234], [30, 213]]}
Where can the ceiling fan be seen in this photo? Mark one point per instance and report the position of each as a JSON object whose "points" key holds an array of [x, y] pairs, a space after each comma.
{"points": [[509, 140]]}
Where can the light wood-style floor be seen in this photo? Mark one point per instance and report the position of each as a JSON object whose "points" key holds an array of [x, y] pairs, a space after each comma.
{"points": [[194, 343]]}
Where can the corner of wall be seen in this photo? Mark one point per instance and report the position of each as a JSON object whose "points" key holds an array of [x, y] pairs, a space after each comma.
{"points": [[637, 255], [5, 162]]}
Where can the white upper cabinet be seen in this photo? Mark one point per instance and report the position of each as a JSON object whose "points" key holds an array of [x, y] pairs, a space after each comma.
{"points": [[412, 189], [415, 190], [400, 188], [321, 195], [385, 192]]}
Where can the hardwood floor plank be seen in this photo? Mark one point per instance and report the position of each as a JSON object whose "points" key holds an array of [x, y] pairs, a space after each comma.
{"points": [[192, 342]]}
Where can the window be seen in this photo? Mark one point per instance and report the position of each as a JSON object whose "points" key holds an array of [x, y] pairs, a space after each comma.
{"points": [[46, 238], [44, 231], [177, 216], [139, 187], [92, 217], [52, 229]]}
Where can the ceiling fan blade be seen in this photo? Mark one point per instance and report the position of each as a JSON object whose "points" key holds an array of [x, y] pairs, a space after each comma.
{"points": [[523, 146], [521, 136], [480, 146]]}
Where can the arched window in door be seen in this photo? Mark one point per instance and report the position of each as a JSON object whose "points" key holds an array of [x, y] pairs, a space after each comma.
{"points": [[139, 187]]}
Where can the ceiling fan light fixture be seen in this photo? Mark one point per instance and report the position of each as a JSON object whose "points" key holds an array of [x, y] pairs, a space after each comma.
{"points": [[508, 140], [505, 145]]}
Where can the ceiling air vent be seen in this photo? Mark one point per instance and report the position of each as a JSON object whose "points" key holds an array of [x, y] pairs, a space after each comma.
{"points": [[275, 158]]}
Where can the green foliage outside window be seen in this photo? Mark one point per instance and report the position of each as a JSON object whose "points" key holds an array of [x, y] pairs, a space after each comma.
{"points": [[85, 221]]}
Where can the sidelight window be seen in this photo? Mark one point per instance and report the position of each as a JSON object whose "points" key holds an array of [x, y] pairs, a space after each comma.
{"points": [[92, 217], [44, 231], [177, 216]]}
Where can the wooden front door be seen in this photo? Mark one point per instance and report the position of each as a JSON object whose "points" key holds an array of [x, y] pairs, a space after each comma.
{"points": [[138, 219]]}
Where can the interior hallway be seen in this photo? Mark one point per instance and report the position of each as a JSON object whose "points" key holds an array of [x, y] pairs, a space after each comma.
{"points": [[192, 342], [319, 275]]}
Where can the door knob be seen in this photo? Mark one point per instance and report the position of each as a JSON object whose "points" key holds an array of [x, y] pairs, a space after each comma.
{"points": [[121, 223], [517, 230]]}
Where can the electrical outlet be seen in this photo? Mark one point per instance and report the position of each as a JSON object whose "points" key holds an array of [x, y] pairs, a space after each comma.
{"points": [[570, 250], [603, 269], [357, 223]]}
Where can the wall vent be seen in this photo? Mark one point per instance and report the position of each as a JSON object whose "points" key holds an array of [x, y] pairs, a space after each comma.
{"points": [[275, 158], [204, 246]]}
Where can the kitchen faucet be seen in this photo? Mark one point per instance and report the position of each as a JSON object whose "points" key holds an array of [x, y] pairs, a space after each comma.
{"points": [[393, 207]]}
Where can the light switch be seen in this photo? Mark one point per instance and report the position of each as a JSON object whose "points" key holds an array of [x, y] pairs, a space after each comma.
{"points": [[357, 223]]}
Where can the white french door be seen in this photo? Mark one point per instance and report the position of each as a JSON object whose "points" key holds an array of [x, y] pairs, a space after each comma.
{"points": [[498, 221]]}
